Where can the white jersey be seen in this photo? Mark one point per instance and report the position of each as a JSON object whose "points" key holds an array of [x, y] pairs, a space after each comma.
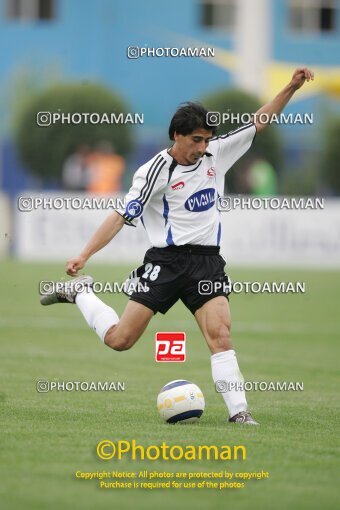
{"points": [[177, 204]]}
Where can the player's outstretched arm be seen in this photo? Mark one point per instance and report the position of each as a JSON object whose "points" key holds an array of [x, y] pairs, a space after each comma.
{"points": [[105, 233], [275, 106]]}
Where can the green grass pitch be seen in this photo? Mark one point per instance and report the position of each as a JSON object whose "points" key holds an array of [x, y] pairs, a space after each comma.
{"points": [[46, 438]]}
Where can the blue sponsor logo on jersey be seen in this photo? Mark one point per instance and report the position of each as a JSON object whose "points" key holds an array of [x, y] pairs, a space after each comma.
{"points": [[201, 200], [134, 208]]}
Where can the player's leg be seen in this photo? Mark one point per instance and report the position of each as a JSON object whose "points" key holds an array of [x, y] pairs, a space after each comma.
{"points": [[132, 324], [119, 334], [214, 321]]}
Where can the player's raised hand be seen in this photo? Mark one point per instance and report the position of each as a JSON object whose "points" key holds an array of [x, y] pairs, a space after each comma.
{"points": [[301, 74], [74, 265]]}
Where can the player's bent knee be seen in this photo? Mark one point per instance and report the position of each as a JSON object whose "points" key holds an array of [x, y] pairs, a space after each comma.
{"points": [[121, 346], [118, 342]]}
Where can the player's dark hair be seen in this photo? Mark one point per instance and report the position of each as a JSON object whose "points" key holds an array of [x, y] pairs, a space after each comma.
{"points": [[189, 117]]}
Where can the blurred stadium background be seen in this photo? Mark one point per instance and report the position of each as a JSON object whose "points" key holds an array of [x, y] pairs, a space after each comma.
{"points": [[72, 55], [54, 51]]}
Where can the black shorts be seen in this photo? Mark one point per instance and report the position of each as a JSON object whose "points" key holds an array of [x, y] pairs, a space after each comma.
{"points": [[192, 273]]}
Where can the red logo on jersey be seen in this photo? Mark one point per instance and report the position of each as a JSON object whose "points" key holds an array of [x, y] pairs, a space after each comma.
{"points": [[211, 172], [170, 346], [178, 185]]}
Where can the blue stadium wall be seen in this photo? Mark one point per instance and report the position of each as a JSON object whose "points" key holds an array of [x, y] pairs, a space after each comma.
{"points": [[88, 40]]}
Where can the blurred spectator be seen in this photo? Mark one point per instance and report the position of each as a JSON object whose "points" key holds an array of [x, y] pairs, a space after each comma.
{"points": [[262, 178], [75, 172], [105, 170]]}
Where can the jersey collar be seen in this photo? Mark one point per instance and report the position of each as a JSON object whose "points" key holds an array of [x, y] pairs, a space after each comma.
{"points": [[189, 168]]}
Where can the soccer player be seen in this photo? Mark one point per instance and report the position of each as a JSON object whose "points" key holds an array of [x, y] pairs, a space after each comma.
{"points": [[174, 195]]}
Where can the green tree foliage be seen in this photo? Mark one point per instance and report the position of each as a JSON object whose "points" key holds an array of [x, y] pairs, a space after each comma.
{"points": [[330, 156], [43, 149]]}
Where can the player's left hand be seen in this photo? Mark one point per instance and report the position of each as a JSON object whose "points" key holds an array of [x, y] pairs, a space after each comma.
{"points": [[301, 74]]}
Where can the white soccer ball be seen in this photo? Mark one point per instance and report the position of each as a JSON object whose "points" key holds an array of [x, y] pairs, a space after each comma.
{"points": [[180, 401]]}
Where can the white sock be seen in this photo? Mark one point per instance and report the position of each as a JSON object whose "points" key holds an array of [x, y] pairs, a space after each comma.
{"points": [[98, 315], [225, 370]]}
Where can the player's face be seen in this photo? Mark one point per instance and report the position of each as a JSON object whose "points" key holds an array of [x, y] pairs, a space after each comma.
{"points": [[188, 149]]}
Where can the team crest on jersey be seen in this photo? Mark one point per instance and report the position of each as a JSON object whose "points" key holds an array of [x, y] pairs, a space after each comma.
{"points": [[211, 172], [201, 200], [178, 185], [134, 208]]}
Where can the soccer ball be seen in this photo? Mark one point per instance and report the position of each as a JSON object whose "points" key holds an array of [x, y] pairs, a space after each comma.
{"points": [[180, 401]]}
